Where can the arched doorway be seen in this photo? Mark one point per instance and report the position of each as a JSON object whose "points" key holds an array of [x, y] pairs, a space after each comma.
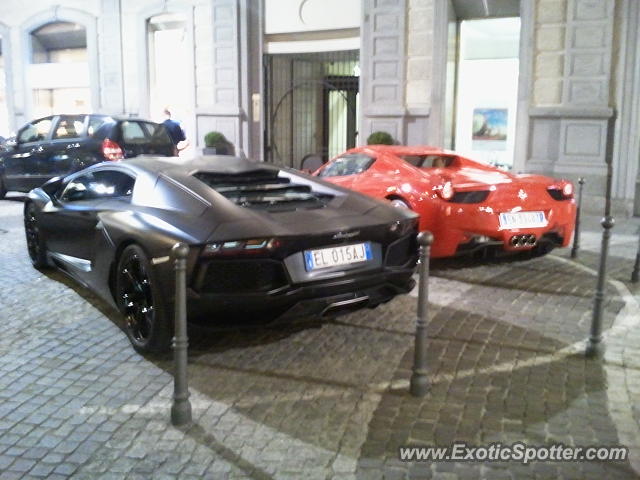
{"points": [[58, 70]]}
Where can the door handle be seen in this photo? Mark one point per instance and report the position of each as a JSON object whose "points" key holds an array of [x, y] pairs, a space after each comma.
{"points": [[37, 149], [73, 145]]}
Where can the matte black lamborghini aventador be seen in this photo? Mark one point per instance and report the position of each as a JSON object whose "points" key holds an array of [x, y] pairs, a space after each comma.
{"points": [[265, 242]]}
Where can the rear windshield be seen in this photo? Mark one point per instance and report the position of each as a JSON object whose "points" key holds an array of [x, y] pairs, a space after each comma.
{"points": [[349, 164], [428, 161], [265, 189], [144, 133]]}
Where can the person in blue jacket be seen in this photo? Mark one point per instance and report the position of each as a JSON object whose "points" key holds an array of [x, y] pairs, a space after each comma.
{"points": [[175, 131]]}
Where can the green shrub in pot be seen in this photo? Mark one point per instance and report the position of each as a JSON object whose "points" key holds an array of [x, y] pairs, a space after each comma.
{"points": [[217, 144], [380, 138]]}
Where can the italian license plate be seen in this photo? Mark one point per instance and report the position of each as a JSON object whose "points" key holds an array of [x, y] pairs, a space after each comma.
{"points": [[336, 256], [522, 220]]}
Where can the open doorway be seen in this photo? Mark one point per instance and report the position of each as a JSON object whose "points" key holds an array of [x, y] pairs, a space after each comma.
{"points": [[340, 106], [168, 54], [487, 90], [311, 105]]}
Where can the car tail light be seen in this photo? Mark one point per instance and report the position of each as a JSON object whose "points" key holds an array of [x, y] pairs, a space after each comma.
{"points": [[446, 191], [241, 247], [561, 191], [111, 150]]}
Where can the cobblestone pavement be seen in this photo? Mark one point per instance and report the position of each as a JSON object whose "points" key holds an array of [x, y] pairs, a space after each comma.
{"points": [[322, 400]]}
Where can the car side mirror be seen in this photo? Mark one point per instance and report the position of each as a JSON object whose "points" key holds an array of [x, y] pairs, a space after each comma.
{"points": [[74, 192], [52, 186], [11, 144]]}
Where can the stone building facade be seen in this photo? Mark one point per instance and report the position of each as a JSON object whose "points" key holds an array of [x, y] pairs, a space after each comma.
{"points": [[578, 87]]}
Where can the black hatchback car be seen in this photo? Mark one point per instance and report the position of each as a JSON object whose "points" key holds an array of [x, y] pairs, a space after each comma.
{"points": [[62, 144]]}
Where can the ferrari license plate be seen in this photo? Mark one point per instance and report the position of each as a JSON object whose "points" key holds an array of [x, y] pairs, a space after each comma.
{"points": [[336, 256], [522, 220]]}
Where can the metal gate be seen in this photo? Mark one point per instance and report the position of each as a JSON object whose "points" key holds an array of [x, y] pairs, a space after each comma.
{"points": [[311, 105]]}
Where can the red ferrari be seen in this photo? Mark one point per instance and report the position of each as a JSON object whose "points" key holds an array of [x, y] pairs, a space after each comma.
{"points": [[468, 206]]}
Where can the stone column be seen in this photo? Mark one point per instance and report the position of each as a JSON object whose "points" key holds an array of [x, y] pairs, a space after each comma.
{"points": [[423, 84], [626, 182], [219, 91], [7, 73], [110, 53], [382, 56], [570, 108], [224, 94]]}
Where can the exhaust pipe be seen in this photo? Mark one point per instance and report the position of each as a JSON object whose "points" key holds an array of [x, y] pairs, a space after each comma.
{"points": [[519, 241], [345, 306]]}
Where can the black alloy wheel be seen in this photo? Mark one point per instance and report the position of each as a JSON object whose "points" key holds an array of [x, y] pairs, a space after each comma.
{"points": [[138, 299], [35, 244]]}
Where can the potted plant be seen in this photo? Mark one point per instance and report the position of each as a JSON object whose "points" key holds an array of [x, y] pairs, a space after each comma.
{"points": [[380, 138], [217, 144]]}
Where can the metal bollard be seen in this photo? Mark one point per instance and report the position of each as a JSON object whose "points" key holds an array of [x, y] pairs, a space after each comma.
{"points": [[419, 380], [595, 347], [635, 275], [181, 408], [576, 232]]}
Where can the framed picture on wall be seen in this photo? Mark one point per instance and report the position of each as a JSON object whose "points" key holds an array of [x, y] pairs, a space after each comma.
{"points": [[489, 131]]}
